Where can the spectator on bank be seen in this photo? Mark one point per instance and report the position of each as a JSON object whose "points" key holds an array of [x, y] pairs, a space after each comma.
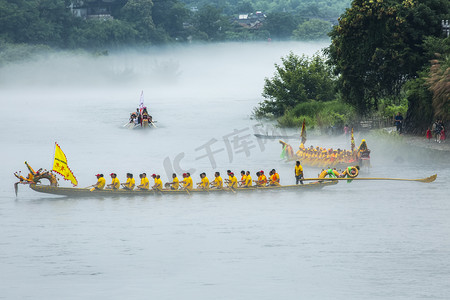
{"points": [[398, 121], [429, 135], [442, 137]]}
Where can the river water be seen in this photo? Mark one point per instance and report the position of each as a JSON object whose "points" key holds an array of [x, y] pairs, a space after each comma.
{"points": [[363, 240]]}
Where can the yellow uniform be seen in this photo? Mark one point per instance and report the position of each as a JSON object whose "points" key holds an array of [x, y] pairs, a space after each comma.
{"points": [[298, 170], [130, 183], [188, 183], [145, 184], [158, 184], [101, 182], [115, 183], [262, 180], [205, 183], [218, 182], [248, 181], [244, 179], [176, 183], [233, 183]]}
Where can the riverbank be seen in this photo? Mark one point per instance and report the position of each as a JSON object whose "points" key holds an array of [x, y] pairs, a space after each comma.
{"points": [[419, 140]]}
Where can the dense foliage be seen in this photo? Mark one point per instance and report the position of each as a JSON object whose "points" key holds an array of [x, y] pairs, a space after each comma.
{"points": [[297, 80], [378, 45], [144, 22]]}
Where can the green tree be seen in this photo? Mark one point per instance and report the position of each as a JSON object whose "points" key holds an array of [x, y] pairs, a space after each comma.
{"points": [[377, 46], [313, 29], [209, 21], [297, 80], [170, 15], [280, 24]]}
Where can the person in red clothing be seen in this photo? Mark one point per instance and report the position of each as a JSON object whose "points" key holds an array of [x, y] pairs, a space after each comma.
{"points": [[429, 135]]}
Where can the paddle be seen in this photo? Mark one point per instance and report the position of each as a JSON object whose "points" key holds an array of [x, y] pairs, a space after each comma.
{"points": [[425, 180]]}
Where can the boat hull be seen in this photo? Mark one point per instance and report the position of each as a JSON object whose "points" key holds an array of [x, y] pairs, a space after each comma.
{"points": [[76, 192]]}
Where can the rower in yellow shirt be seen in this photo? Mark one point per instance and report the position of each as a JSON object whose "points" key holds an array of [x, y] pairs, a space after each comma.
{"points": [[262, 179], [175, 184], [189, 182], [243, 178], [129, 185], [100, 183], [204, 183], [145, 184], [157, 182], [248, 180], [218, 182], [115, 184], [232, 181]]}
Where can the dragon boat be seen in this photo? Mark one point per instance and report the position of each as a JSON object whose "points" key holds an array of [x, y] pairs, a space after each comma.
{"points": [[327, 158], [85, 192]]}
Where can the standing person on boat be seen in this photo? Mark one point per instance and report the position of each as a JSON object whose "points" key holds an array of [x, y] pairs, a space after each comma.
{"points": [[175, 184], [243, 178], [248, 180], [100, 185], [145, 184], [115, 184], [218, 182], [130, 184], [298, 172]]}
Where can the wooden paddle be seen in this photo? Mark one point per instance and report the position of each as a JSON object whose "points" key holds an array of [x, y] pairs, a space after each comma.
{"points": [[425, 180]]}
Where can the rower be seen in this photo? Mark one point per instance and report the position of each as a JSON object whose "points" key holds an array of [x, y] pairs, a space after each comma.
{"points": [[276, 176], [157, 182], [262, 179], [175, 184], [204, 183], [145, 185], [298, 172], [129, 185], [115, 184], [189, 183], [243, 178], [273, 178], [232, 181], [100, 183], [218, 182], [248, 180]]}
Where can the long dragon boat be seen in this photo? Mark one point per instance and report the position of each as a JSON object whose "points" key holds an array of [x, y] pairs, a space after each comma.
{"points": [[327, 158], [85, 192]]}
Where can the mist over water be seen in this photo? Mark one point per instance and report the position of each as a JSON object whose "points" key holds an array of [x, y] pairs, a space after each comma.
{"points": [[364, 240]]}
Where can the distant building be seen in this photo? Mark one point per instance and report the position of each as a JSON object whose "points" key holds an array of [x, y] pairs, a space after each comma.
{"points": [[99, 9], [252, 20]]}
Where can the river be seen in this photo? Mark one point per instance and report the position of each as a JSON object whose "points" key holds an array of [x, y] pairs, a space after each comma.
{"points": [[359, 240]]}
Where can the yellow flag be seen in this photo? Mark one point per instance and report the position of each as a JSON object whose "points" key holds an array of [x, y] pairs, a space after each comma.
{"points": [[352, 141], [60, 165]]}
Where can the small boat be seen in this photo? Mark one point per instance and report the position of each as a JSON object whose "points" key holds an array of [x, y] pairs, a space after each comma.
{"points": [[80, 192]]}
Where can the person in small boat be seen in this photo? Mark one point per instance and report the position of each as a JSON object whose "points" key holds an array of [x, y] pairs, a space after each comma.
{"points": [[115, 183], [133, 117], [100, 185], [145, 184], [175, 184], [332, 173], [130, 184], [248, 180], [145, 118], [218, 182], [276, 176], [298, 172], [243, 178]]}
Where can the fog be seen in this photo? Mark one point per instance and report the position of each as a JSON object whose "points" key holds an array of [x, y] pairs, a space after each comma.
{"points": [[363, 240]]}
